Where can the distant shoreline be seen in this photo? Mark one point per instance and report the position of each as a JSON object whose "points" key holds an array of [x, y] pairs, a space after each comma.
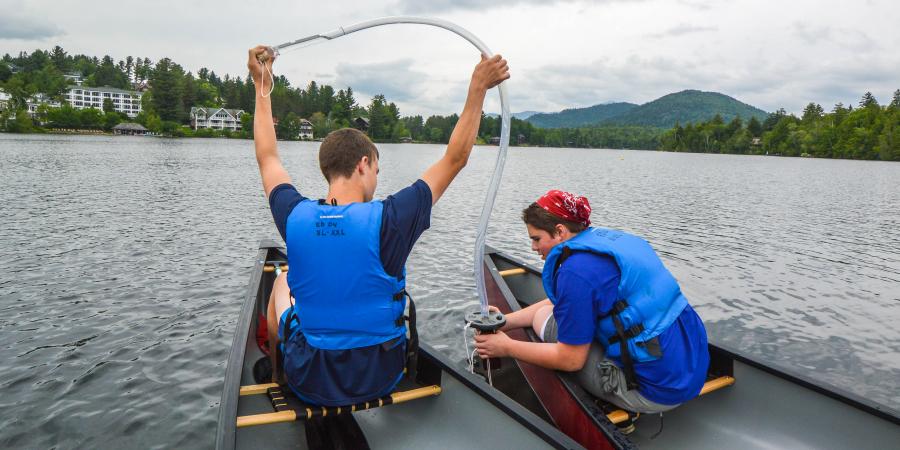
{"points": [[480, 144]]}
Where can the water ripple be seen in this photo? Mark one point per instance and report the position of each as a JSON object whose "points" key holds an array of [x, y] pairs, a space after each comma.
{"points": [[125, 260]]}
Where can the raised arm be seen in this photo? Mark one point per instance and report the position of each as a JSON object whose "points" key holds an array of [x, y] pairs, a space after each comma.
{"points": [[270, 167], [488, 73]]}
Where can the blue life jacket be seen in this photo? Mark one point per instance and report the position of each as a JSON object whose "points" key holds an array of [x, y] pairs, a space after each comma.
{"points": [[343, 297], [649, 299]]}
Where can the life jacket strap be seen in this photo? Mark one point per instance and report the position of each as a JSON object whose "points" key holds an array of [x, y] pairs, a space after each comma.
{"points": [[412, 345], [566, 253], [630, 333], [627, 361], [617, 308]]}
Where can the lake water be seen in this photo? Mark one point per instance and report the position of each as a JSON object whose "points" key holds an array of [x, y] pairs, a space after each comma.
{"points": [[123, 262]]}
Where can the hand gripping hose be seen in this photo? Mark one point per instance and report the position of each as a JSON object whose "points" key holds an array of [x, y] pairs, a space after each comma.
{"points": [[504, 133]]}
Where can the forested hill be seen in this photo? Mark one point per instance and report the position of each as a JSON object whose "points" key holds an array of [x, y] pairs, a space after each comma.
{"points": [[687, 107], [681, 107], [579, 117]]}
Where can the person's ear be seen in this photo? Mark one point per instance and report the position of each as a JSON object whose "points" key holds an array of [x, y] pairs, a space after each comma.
{"points": [[560, 229], [363, 163]]}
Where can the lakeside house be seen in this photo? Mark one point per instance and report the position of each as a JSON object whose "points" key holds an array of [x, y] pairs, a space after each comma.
{"points": [[130, 129], [4, 100], [361, 124], [127, 102], [306, 130], [216, 118]]}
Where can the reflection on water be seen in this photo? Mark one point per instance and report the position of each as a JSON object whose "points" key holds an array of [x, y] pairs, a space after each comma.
{"points": [[124, 261]]}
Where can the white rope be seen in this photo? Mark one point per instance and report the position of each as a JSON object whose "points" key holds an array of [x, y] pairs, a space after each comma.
{"points": [[271, 78], [470, 357]]}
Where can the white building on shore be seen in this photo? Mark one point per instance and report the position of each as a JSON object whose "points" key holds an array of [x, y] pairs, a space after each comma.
{"points": [[128, 102], [216, 118], [306, 130]]}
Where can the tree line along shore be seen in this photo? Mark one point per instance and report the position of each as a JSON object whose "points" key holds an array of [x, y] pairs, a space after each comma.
{"points": [[168, 92]]}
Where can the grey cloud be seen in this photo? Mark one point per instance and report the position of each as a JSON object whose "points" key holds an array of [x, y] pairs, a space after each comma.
{"points": [[841, 37], [681, 30], [636, 80], [765, 81], [760, 82], [17, 26], [432, 6], [395, 79], [811, 35], [699, 5]]}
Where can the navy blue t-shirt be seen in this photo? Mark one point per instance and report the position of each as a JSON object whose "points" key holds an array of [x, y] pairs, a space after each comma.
{"points": [[406, 215], [586, 288]]}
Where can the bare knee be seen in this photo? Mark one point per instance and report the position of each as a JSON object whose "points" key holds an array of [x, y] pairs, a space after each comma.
{"points": [[540, 317]]}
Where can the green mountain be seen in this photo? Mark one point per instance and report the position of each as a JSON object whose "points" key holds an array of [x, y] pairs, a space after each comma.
{"points": [[683, 107], [686, 107], [579, 117]]}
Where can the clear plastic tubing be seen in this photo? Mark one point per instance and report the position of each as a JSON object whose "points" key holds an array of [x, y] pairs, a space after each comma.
{"points": [[504, 132]]}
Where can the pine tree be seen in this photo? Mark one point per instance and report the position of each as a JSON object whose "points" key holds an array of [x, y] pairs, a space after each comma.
{"points": [[754, 127], [129, 68], [773, 119], [868, 100], [811, 113], [166, 91], [895, 103], [377, 117], [60, 59], [188, 92]]}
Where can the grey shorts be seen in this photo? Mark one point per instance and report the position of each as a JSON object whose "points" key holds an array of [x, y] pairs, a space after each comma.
{"points": [[604, 379]]}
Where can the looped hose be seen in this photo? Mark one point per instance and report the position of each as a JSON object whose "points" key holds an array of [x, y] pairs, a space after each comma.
{"points": [[494, 185]]}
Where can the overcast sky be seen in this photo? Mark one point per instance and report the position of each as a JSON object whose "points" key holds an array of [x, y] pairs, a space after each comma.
{"points": [[563, 54]]}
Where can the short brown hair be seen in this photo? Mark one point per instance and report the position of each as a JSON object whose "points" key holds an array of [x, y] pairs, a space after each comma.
{"points": [[539, 218], [341, 151]]}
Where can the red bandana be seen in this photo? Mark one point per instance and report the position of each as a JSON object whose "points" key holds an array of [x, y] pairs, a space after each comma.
{"points": [[566, 206]]}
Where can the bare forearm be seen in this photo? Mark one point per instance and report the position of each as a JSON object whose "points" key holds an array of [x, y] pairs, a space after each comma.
{"points": [[466, 130], [264, 129], [545, 354]]}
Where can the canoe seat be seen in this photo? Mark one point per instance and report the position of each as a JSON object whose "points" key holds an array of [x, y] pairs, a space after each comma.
{"points": [[284, 413], [619, 415], [510, 272]]}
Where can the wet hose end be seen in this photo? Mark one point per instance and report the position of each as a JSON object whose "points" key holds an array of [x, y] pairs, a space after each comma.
{"points": [[486, 324]]}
